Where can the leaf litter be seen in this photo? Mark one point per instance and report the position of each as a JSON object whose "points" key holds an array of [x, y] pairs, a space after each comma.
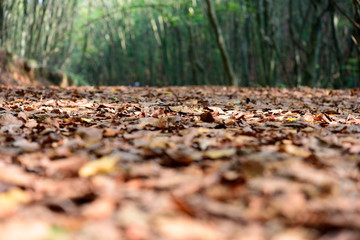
{"points": [[179, 163]]}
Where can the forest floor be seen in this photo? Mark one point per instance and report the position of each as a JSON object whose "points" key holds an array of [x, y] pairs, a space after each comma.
{"points": [[183, 163]]}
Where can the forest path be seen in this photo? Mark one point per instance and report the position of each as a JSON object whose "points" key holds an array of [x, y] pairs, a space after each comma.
{"points": [[179, 163]]}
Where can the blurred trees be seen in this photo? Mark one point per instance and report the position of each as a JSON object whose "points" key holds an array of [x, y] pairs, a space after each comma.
{"points": [[39, 29], [178, 42]]}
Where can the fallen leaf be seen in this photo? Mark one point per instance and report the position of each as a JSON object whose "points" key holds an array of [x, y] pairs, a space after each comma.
{"points": [[27, 146], [12, 199], [221, 153], [90, 135], [292, 149], [180, 228], [103, 165], [110, 132], [31, 123], [207, 117], [183, 156], [99, 209], [66, 167], [10, 120], [181, 109], [154, 122], [31, 229], [87, 120]]}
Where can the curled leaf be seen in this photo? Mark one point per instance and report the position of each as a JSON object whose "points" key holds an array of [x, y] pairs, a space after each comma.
{"points": [[207, 117]]}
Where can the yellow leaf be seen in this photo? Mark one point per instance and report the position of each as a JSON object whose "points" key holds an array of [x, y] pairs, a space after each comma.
{"points": [[307, 129], [291, 119], [292, 149], [229, 122], [87, 120], [192, 102], [203, 130], [13, 198], [70, 109], [103, 165], [216, 154], [181, 109], [293, 131]]}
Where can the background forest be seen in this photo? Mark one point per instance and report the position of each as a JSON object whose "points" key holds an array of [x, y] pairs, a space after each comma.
{"points": [[189, 42]]}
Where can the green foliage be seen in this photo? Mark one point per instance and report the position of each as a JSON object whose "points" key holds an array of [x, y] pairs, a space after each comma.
{"points": [[234, 7], [170, 42]]}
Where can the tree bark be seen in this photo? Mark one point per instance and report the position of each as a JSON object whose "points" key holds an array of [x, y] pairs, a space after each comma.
{"points": [[338, 83], [1, 20], [357, 33], [314, 45], [232, 80]]}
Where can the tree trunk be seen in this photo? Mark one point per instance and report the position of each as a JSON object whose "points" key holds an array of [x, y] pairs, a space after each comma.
{"points": [[232, 80], [180, 56], [357, 35], [40, 27], [338, 83], [1, 21], [192, 56], [314, 45]]}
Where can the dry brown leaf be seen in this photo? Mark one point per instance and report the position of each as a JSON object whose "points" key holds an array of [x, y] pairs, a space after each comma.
{"points": [[10, 120], [180, 228], [294, 150], [181, 109], [159, 163], [99, 209], [207, 117], [26, 145], [90, 135]]}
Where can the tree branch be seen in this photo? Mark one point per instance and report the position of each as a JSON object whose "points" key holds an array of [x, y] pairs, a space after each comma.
{"points": [[356, 25]]}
